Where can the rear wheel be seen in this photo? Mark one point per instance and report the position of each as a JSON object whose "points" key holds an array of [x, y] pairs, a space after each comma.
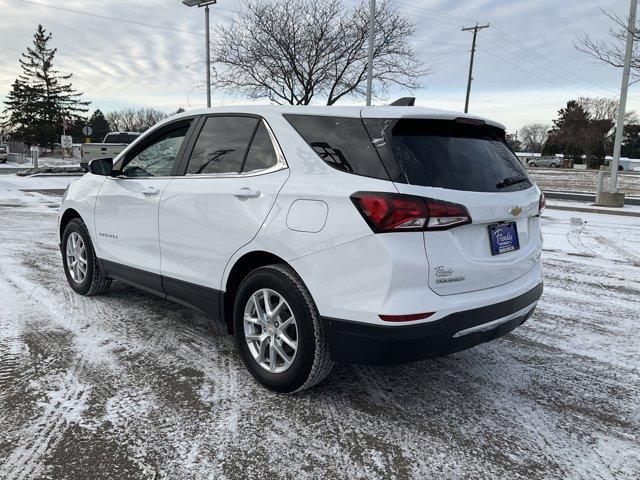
{"points": [[278, 330], [80, 261]]}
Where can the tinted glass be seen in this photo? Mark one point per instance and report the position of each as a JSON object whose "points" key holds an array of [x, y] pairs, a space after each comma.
{"points": [[157, 158], [261, 153], [447, 154], [221, 145], [342, 143], [120, 138]]}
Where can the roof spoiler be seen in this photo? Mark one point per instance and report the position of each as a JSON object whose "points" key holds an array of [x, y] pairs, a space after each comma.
{"points": [[470, 121], [404, 102]]}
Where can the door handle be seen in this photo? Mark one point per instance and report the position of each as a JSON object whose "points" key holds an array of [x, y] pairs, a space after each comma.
{"points": [[150, 191], [246, 192]]}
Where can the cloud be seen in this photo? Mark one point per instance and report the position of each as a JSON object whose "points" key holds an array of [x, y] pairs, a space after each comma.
{"points": [[526, 65]]}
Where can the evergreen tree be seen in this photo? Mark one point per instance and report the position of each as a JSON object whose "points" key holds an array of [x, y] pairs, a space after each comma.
{"points": [[569, 132], [41, 97], [631, 141], [99, 125]]}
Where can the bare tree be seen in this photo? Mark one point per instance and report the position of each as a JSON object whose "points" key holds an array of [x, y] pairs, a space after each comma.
{"points": [[613, 52], [130, 120], [534, 135], [291, 51], [603, 108]]}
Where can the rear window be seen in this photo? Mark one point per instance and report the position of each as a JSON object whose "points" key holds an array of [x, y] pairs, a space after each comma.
{"points": [[446, 154], [341, 142]]}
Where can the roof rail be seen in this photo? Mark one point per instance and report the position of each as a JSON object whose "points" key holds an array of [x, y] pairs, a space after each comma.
{"points": [[404, 102]]}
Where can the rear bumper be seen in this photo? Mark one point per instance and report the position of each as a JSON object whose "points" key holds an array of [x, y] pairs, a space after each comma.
{"points": [[361, 343]]}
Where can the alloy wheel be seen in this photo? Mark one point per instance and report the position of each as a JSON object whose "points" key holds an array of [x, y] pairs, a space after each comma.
{"points": [[270, 330], [76, 252]]}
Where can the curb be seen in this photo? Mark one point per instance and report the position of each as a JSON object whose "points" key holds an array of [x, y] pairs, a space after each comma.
{"points": [[622, 213]]}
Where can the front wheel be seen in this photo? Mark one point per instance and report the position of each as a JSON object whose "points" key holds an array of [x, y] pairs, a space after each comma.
{"points": [[80, 262], [278, 330]]}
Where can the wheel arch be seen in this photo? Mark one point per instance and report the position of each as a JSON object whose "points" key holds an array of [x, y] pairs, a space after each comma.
{"points": [[240, 269], [68, 215]]}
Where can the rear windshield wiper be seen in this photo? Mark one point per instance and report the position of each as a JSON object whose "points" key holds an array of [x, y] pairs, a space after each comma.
{"points": [[506, 182]]}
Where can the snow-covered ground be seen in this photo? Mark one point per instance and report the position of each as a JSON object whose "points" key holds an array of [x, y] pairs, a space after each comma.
{"points": [[44, 161], [126, 385], [573, 180]]}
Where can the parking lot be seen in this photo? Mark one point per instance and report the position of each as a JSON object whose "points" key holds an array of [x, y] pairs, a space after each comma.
{"points": [[126, 385]]}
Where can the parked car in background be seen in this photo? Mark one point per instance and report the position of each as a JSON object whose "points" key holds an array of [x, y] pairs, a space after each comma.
{"points": [[623, 164], [112, 144], [3, 155], [367, 235], [552, 162]]}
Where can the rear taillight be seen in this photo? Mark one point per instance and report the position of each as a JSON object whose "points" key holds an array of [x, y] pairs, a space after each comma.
{"points": [[406, 318], [542, 203], [395, 212]]}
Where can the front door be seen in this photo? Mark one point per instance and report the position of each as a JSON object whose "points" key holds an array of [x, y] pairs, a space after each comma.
{"points": [[231, 182], [126, 214]]}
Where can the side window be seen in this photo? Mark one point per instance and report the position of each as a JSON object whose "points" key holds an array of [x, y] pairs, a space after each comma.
{"points": [[157, 158], [222, 145], [261, 153], [342, 143]]}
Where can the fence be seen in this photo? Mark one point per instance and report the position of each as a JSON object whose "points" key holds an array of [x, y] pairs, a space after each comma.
{"points": [[18, 158]]}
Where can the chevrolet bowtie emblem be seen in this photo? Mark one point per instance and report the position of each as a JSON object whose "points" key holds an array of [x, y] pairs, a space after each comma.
{"points": [[515, 211]]}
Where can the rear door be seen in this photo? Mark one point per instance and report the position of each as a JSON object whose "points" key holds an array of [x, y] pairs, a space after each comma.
{"points": [[232, 176], [468, 164]]}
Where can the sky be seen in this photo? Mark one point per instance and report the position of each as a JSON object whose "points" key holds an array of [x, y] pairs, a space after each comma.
{"points": [[526, 65]]}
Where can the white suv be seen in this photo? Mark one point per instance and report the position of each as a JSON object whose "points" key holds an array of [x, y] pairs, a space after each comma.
{"points": [[372, 235]]}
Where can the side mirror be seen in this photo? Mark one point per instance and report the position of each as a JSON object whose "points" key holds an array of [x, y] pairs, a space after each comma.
{"points": [[101, 166]]}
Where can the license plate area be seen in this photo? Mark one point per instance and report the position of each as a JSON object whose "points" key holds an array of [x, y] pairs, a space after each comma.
{"points": [[503, 237]]}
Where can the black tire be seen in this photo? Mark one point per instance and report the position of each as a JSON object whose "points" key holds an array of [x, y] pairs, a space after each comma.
{"points": [[95, 282], [312, 362], [553, 165]]}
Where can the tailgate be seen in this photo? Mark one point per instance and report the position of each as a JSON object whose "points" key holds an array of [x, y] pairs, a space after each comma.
{"points": [[461, 259]]}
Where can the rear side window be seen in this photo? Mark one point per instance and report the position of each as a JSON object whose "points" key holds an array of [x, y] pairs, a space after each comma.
{"points": [[447, 154], [342, 143], [221, 145], [261, 153]]}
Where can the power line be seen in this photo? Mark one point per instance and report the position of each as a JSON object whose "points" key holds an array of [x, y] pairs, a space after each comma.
{"points": [[505, 35], [527, 71], [508, 37], [538, 65], [114, 19], [438, 13]]}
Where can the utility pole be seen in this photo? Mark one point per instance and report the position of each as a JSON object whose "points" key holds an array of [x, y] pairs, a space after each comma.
{"points": [[372, 19], [208, 54], [475, 31], [613, 186]]}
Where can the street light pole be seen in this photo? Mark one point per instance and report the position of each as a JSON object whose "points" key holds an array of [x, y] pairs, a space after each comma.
{"points": [[208, 54], [372, 19], [613, 186], [205, 4]]}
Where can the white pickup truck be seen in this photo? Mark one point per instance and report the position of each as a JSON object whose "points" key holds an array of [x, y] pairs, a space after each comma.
{"points": [[112, 144]]}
